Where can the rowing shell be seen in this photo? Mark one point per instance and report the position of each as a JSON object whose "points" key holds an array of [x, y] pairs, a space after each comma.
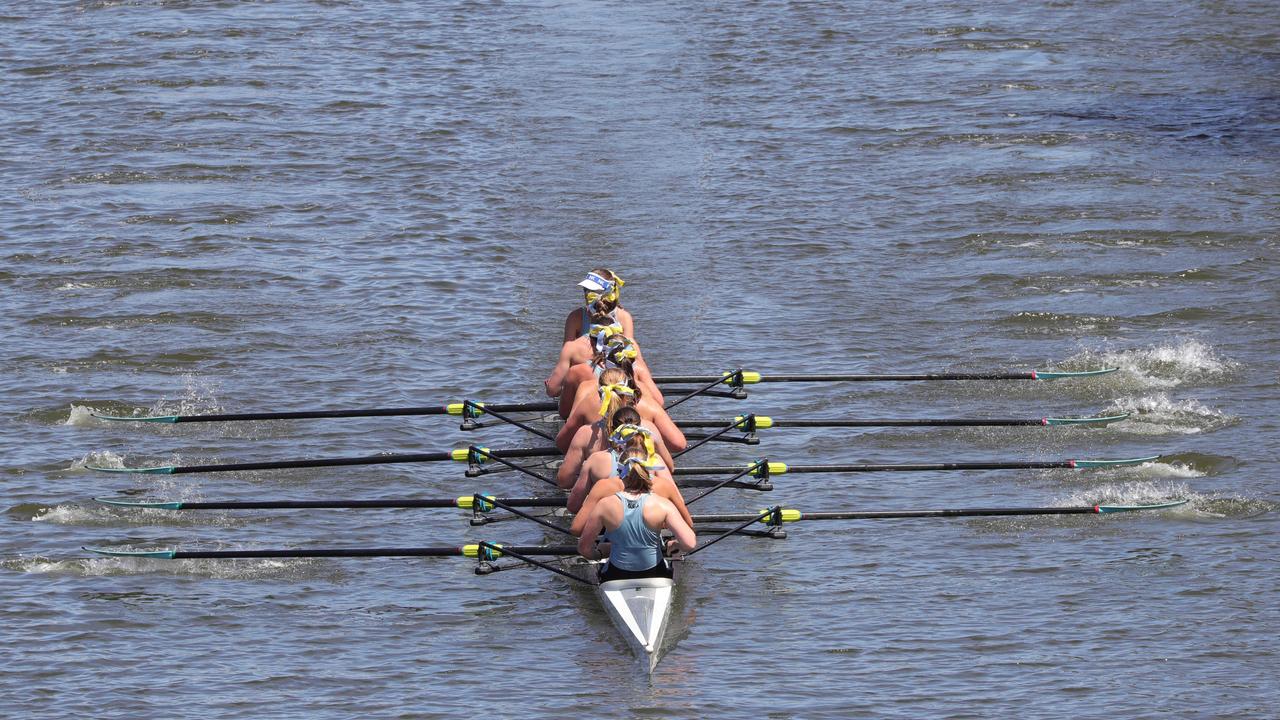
{"points": [[640, 608]]}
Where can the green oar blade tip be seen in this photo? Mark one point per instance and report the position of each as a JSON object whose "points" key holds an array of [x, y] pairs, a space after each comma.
{"points": [[136, 504], [161, 470], [1135, 508], [1107, 419], [157, 554], [1052, 375], [142, 418], [1114, 463]]}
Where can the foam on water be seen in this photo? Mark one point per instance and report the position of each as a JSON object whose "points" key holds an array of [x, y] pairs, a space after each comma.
{"points": [[231, 569], [1185, 362], [1133, 492], [101, 515], [1160, 415]]}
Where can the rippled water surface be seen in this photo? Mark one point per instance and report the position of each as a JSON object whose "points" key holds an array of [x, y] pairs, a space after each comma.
{"points": [[227, 207]]}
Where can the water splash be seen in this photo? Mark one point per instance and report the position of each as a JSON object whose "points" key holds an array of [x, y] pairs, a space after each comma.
{"points": [[99, 458], [1159, 415], [1135, 492], [91, 514], [200, 396], [236, 569], [1170, 365]]}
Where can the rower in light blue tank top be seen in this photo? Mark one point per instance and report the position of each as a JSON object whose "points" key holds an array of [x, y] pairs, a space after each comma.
{"points": [[634, 547]]}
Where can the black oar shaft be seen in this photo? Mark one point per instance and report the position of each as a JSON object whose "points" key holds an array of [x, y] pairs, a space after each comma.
{"points": [[900, 467], [314, 414], [545, 406], [317, 462], [365, 460], [670, 379], [889, 514], [438, 551], [338, 504], [873, 422]]}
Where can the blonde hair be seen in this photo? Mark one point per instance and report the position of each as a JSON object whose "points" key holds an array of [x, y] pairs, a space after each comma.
{"points": [[614, 376], [638, 479]]}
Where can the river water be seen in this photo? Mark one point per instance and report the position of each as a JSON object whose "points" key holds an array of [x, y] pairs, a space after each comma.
{"points": [[226, 206]]}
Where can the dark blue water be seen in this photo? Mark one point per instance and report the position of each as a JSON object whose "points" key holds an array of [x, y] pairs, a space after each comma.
{"points": [[236, 207]]}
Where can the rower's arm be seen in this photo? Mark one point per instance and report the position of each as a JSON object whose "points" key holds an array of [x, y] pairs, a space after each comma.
{"points": [[565, 437], [678, 501], [671, 434], [586, 511], [573, 325], [574, 459], [644, 379], [555, 383], [682, 530], [590, 531], [660, 446], [581, 488]]}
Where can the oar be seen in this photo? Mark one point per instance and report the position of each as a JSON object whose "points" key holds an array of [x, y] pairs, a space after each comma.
{"points": [[785, 515], [484, 551], [764, 468], [483, 503], [492, 551], [748, 423], [450, 409], [747, 377], [456, 455], [468, 502]]}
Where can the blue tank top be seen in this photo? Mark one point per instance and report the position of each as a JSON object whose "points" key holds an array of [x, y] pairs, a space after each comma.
{"points": [[634, 546]]}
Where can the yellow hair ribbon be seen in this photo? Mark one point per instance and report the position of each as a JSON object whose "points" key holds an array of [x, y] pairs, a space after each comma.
{"points": [[619, 349], [608, 392], [615, 292], [623, 433]]}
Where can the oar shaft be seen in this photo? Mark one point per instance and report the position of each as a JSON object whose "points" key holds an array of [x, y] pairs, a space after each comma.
{"points": [[956, 512], [898, 467], [872, 422], [365, 460], [317, 462], [450, 409], [439, 551], [789, 515], [314, 414], [857, 377], [335, 504]]}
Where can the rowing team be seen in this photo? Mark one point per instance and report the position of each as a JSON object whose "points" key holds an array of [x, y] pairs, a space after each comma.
{"points": [[617, 439]]}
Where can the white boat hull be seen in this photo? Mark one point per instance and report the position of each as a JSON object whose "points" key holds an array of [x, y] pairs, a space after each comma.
{"points": [[640, 609]]}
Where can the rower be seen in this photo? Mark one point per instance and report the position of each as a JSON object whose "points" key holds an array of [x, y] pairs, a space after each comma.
{"points": [[632, 520], [600, 305], [612, 386], [597, 438], [601, 472], [613, 351], [583, 357]]}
